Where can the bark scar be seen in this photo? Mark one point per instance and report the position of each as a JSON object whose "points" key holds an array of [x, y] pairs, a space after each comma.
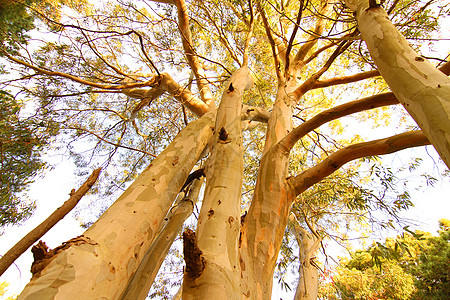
{"points": [[195, 263], [43, 256], [223, 136]]}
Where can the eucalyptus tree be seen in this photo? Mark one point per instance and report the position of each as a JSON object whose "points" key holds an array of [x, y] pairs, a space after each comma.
{"points": [[236, 91]]}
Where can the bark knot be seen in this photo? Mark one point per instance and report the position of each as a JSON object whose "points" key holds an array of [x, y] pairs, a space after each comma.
{"points": [[223, 134]]}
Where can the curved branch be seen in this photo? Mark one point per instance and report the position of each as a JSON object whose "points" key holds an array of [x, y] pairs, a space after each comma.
{"points": [[249, 35], [253, 113], [150, 82], [334, 113], [183, 95], [116, 145], [141, 42], [346, 109], [272, 44], [306, 47], [333, 162], [308, 84], [294, 33], [345, 79], [167, 84]]}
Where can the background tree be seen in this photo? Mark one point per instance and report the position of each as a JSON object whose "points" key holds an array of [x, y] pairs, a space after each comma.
{"points": [[152, 91], [23, 135], [411, 266]]}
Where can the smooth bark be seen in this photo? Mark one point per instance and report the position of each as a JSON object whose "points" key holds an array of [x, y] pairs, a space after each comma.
{"points": [[308, 243], [264, 225], [142, 280], [219, 219], [102, 261], [191, 56]]}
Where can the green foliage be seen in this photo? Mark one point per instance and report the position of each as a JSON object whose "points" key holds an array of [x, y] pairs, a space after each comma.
{"points": [[371, 283], [22, 141], [431, 268], [14, 23], [3, 286], [413, 266]]}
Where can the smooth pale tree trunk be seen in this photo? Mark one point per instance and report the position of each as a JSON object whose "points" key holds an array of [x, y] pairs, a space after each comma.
{"points": [[100, 263], [140, 284], [264, 225], [308, 285], [422, 89], [219, 219]]}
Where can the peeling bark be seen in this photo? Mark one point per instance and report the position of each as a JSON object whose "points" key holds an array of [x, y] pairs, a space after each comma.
{"points": [[141, 282], [263, 229], [195, 263]]}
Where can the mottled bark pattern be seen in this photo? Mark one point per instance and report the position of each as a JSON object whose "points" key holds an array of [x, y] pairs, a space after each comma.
{"points": [[104, 267]]}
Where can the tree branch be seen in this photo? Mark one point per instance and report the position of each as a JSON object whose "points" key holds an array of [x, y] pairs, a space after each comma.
{"points": [[294, 33], [307, 85], [334, 113], [272, 45], [186, 38], [249, 35], [150, 82], [345, 79], [48, 223], [333, 162], [306, 47]]}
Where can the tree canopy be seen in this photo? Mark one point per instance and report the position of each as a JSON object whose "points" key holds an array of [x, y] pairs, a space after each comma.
{"points": [[284, 106]]}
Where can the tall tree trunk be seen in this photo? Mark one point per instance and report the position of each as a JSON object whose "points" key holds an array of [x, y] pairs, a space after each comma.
{"points": [[219, 219], [422, 89], [99, 264], [264, 225], [142, 280], [307, 288]]}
